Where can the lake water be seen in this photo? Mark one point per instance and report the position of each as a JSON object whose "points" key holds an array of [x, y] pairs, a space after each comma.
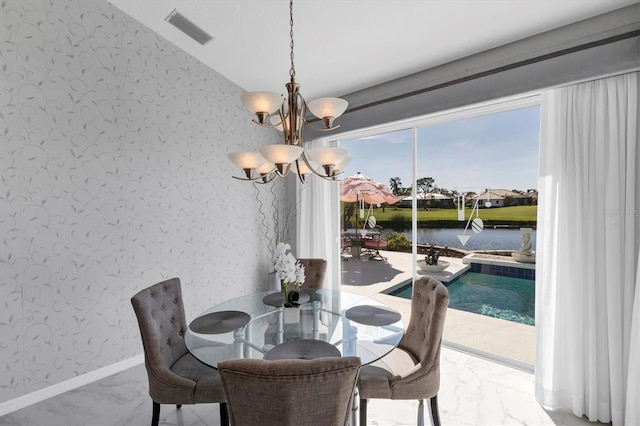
{"points": [[488, 239]]}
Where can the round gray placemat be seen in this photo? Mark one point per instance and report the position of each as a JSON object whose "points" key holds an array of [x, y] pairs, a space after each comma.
{"points": [[303, 349], [373, 315], [219, 322], [277, 299]]}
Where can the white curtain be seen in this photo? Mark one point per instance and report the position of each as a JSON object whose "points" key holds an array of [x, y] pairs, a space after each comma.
{"points": [[632, 412], [318, 225], [587, 271]]}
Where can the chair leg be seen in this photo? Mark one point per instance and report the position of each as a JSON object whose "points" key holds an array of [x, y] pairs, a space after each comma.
{"points": [[420, 421], [224, 414], [378, 256], [363, 412], [435, 416], [156, 414]]}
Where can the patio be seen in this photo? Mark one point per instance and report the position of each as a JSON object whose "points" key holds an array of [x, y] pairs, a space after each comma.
{"points": [[499, 340]]}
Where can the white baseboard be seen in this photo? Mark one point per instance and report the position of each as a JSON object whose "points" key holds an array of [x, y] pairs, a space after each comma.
{"points": [[509, 362], [67, 385]]}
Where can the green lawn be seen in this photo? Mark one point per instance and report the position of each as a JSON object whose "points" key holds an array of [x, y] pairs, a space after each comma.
{"points": [[504, 215]]}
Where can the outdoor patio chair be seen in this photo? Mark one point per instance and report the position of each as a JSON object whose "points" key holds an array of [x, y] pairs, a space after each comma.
{"points": [[345, 243], [374, 243]]}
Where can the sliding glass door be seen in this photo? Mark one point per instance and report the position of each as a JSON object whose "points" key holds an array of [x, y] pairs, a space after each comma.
{"points": [[371, 211], [465, 213]]}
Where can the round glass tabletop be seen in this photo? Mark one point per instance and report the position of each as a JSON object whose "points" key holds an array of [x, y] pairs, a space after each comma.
{"points": [[327, 316]]}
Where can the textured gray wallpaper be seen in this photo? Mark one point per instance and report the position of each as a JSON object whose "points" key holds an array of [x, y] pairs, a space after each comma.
{"points": [[114, 176]]}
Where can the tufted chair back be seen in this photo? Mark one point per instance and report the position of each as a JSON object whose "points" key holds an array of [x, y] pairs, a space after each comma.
{"points": [[175, 375], [161, 317], [315, 392], [314, 270], [423, 336], [412, 370]]}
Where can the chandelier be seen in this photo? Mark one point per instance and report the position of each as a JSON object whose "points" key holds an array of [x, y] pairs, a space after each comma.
{"points": [[288, 115]]}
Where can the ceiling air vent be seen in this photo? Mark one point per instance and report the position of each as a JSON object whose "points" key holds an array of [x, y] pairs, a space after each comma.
{"points": [[188, 27]]}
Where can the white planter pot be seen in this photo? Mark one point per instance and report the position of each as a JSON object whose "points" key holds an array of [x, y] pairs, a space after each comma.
{"points": [[291, 315]]}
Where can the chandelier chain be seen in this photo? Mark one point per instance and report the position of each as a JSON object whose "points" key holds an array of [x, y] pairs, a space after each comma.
{"points": [[292, 71]]}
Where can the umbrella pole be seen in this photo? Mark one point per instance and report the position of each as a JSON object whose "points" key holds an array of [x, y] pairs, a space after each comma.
{"points": [[357, 210]]}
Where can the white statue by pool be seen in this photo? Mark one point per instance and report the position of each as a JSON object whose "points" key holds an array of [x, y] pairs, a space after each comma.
{"points": [[525, 254]]}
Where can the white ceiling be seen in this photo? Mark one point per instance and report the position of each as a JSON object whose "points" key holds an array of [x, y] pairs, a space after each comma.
{"points": [[342, 46]]}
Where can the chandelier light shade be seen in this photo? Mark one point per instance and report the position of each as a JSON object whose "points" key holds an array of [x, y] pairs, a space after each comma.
{"points": [[265, 172], [327, 157], [265, 168], [280, 154], [340, 166], [247, 161], [277, 122], [302, 169], [328, 109], [261, 104], [288, 115]]}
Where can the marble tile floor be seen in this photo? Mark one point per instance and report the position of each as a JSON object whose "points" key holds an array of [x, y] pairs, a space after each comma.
{"points": [[474, 391]]}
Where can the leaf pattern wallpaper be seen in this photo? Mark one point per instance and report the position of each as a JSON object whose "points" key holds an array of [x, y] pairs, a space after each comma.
{"points": [[114, 176]]}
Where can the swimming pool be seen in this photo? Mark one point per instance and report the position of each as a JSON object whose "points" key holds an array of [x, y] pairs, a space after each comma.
{"points": [[504, 297]]}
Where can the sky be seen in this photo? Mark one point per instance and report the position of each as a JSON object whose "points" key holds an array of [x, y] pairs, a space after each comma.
{"points": [[498, 151]]}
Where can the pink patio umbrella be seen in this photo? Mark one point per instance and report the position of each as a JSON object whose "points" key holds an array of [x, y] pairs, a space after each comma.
{"points": [[360, 188]]}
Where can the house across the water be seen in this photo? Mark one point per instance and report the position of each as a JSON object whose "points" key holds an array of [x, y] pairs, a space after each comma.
{"points": [[503, 198]]}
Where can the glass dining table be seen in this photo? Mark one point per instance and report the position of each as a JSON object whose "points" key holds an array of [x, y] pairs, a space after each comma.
{"points": [[258, 326]]}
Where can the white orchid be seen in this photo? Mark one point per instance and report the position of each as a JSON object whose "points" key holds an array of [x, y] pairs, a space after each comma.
{"points": [[288, 269]]}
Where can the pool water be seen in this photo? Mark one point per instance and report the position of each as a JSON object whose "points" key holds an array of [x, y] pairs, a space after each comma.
{"points": [[507, 298]]}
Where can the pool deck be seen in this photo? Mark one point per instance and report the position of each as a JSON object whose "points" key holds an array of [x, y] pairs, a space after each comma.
{"points": [[500, 340]]}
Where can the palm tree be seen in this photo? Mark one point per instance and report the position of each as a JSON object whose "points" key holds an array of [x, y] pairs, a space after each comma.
{"points": [[395, 184]]}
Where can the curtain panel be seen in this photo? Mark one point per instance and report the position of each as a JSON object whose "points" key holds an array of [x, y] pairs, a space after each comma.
{"points": [[318, 225], [632, 410], [587, 270]]}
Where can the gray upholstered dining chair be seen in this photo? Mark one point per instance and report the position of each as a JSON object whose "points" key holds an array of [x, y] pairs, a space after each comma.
{"points": [[412, 369], [175, 376], [290, 392], [314, 271]]}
